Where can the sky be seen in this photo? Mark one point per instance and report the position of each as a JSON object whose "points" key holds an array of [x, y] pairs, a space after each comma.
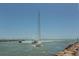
{"points": [[19, 21]]}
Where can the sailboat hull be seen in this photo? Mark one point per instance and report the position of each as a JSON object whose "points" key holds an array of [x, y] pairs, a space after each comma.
{"points": [[37, 44]]}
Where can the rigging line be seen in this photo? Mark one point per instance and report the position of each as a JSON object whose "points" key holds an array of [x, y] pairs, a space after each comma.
{"points": [[39, 27]]}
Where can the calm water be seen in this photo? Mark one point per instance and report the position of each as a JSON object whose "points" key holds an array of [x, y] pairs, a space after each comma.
{"points": [[26, 49]]}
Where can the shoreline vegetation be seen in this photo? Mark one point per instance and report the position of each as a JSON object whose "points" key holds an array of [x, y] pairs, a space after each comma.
{"points": [[30, 40], [5, 40], [33, 39]]}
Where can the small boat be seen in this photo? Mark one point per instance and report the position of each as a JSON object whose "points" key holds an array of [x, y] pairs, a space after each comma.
{"points": [[20, 41], [36, 43]]}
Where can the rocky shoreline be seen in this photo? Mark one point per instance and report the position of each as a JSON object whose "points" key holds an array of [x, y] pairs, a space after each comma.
{"points": [[70, 50]]}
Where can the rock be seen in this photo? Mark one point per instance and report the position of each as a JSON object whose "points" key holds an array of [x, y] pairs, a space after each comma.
{"points": [[71, 50]]}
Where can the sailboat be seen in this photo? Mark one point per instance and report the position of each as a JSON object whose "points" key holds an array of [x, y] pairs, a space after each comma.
{"points": [[38, 42]]}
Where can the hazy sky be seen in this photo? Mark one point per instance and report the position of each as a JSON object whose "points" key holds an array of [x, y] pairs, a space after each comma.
{"points": [[57, 20]]}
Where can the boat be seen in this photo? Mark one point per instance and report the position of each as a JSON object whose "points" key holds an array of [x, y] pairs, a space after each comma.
{"points": [[38, 42]]}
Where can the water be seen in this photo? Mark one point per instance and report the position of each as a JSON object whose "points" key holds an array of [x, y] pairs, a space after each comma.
{"points": [[26, 49]]}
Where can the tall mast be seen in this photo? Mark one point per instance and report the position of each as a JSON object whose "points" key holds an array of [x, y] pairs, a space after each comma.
{"points": [[39, 31], [77, 36]]}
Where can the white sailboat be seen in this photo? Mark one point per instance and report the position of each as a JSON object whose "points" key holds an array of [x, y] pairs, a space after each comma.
{"points": [[38, 42]]}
